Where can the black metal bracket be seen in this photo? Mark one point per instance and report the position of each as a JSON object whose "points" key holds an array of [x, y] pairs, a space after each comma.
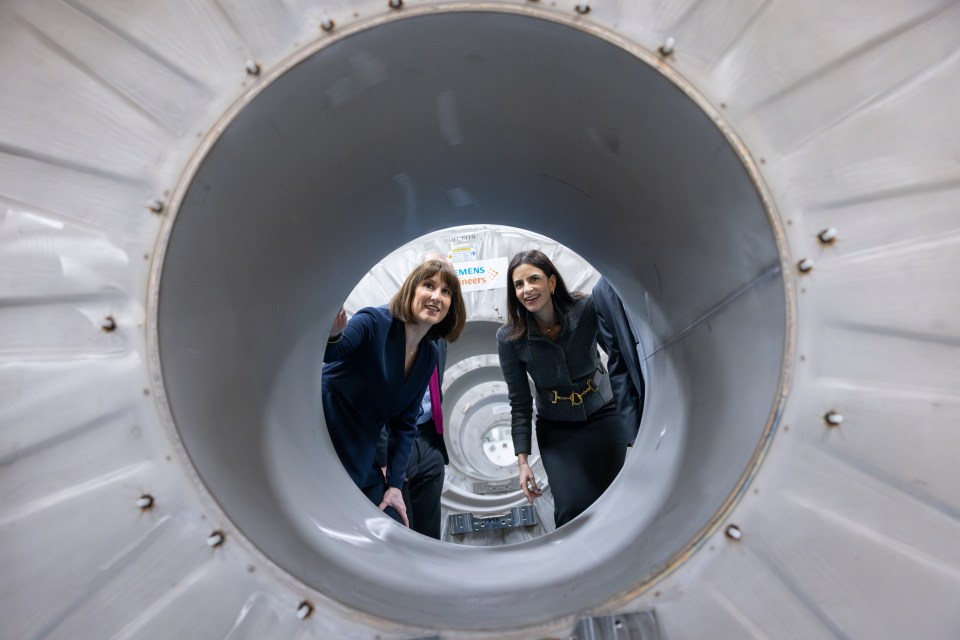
{"points": [[461, 523]]}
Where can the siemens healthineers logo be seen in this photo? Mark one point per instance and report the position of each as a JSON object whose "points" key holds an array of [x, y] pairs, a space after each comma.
{"points": [[477, 275]]}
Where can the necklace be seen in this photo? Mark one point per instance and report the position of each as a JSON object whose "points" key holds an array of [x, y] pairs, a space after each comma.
{"points": [[546, 330]]}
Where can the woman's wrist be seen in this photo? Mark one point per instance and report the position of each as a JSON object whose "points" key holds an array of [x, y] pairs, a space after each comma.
{"points": [[335, 338]]}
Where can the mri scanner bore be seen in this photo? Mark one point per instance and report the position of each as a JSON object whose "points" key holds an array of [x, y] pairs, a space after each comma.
{"points": [[272, 231]]}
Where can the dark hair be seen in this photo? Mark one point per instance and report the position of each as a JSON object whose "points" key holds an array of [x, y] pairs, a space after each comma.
{"points": [[451, 326], [517, 315]]}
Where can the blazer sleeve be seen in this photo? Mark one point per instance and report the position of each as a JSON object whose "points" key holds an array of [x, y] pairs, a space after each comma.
{"points": [[401, 434], [518, 391], [625, 392], [360, 330]]}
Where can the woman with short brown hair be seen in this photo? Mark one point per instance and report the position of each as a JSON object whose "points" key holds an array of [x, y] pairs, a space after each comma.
{"points": [[376, 369]]}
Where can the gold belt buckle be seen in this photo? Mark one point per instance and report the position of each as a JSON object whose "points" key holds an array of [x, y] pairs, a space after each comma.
{"points": [[575, 399]]}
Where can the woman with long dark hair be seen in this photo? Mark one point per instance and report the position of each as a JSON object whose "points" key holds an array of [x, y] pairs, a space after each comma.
{"points": [[551, 334], [376, 369]]}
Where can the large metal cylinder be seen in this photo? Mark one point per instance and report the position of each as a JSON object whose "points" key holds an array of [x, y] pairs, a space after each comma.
{"points": [[189, 192]]}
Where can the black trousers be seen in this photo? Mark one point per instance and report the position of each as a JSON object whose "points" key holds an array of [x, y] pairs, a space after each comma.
{"points": [[581, 459], [421, 491]]}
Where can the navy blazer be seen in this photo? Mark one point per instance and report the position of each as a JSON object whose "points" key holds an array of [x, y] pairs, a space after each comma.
{"points": [[363, 388], [380, 460], [619, 340]]}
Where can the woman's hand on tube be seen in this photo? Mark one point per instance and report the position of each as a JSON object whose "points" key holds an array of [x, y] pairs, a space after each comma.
{"points": [[339, 323], [393, 498], [528, 482]]}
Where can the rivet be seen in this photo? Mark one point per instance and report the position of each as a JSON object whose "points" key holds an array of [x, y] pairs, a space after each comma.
{"points": [[583, 8], [833, 419], [215, 539], [108, 324], [252, 68], [304, 610], [395, 4], [155, 205], [733, 532], [326, 23], [827, 236], [145, 502], [667, 47], [805, 265]]}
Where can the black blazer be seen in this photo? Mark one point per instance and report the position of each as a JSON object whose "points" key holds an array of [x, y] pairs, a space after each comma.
{"points": [[564, 366], [618, 339]]}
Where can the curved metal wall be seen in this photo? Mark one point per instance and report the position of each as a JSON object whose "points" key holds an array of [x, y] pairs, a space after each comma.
{"points": [[848, 110]]}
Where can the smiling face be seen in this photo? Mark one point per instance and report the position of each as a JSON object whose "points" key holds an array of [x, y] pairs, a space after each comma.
{"points": [[431, 301], [533, 287]]}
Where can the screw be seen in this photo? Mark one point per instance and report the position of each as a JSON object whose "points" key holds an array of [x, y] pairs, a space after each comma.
{"points": [[215, 539], [253, 68], [827, 236], [145, 502], [833, 419], [304, 610], [667, 47], [583, 8], [395, 4], [733, 532], [805, 265], [155, 205], [326, 23], [108, 324]]}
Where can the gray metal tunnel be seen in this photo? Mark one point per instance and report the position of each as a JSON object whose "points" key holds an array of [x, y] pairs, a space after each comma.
{"points": [[189, 193]]}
